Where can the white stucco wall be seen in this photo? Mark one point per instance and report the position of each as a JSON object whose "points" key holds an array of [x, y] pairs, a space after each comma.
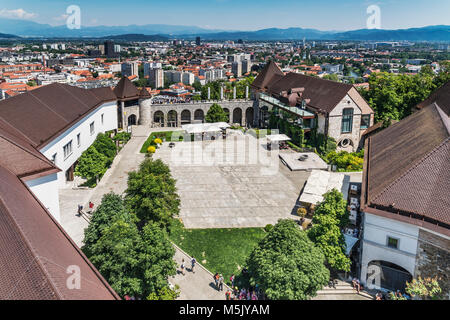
{"points": [[376, 232], [82, 127], [46, 190]]}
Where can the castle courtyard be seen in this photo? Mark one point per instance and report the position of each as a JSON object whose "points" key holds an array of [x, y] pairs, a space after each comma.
{"points": [[227, 190]]}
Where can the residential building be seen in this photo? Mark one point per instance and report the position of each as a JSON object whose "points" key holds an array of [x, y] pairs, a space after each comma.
{"points": [[156, 78], [109, 49], [38, 259], [130, 69], [246, 66], [335, 109], [236, 69], [151, 65], [405, 199], [52, 118]]}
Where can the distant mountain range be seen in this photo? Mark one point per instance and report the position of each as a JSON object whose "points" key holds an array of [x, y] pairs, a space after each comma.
{"points": [[7, 36], [137, 37], [31, 29]]}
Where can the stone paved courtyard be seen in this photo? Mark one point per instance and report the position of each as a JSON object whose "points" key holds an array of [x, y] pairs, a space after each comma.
{"points": [[230, 194]]}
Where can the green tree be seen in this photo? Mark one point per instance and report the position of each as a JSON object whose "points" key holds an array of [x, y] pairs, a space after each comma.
{"points": [[216, 114], [286, 264], [116, 257], [197, 86], [92, 164], [394, 96], [151, 193], [134, 262], [329, 218], [111, 209], [424, 288], [332, 77], [156, 256], [165, 294], [106, 146]]}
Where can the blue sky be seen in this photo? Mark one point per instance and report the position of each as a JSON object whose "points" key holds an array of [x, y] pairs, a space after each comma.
{"points": [[236, 14]]}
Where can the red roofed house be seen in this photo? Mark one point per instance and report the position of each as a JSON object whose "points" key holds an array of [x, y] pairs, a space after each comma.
{"points": [[38, 260], [335, 109], [406, 199]]}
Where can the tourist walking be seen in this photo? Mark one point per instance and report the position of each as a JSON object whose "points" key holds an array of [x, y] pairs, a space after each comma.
{"points": [[232, 280], [216, 280], [193, 261], [220, 283], [182, 267], [80, 209]]}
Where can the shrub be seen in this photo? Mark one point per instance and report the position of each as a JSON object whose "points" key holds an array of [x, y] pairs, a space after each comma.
{"points": [[346, 161], [268, 228], [92, 164], [106, 146], [302, 212], [151, 149]]}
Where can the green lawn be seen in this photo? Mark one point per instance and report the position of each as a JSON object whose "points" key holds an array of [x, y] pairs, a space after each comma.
{"points": [[219, 250], [164, 135]]}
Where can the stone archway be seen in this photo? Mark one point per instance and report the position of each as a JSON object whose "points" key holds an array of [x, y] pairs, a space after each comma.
{"points": [[199, 115], [158, 118], [249, 114], [172, 119], [237, 116], [185, 117], [387, 275], [132, 120]]}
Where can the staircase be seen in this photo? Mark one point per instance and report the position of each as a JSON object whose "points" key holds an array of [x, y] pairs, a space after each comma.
{"points": [[343, 291]]}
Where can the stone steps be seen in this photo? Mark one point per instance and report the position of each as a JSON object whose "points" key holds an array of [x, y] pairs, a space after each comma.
{"points": [[342, 288]]}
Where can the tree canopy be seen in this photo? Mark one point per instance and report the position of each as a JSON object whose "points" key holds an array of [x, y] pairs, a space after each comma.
{"points": [[286, 264], [106, 146], [151, 193], [216, 114], [393, 96], [92, 164], [329, 218], [134, 262]]}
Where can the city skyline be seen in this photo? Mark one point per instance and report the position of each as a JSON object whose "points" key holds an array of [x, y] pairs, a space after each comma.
{"points": [[252, 15]]}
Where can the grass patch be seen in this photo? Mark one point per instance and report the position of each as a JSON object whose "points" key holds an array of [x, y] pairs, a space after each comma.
{"points": [[164, 135], [219, 250]]}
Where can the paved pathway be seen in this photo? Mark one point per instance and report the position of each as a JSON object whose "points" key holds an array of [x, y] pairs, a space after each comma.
{"points": [[198, 285], [193, 285]]}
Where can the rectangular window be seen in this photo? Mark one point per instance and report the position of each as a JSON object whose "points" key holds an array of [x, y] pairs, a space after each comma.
{"points": [[347, 120], [92, 128], [392, 242], [365, 121], [79, 139], [67, 149], [54, 158], [102, 117]]}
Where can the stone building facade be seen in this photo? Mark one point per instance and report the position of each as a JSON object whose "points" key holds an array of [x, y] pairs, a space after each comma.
{"points": [[433, 259], [241, 112], [335, 109]]}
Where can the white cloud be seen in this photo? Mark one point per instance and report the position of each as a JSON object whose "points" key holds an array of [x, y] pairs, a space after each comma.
{"points": [[62, 17], [17, 13]]}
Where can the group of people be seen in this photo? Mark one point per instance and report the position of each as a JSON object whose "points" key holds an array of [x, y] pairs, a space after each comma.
{"points": [[244, 294], [357, 285], [81, 207], [183, 266]]}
